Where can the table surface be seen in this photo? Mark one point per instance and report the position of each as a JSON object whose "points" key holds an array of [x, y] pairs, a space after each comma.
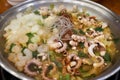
{"points": [[113, 5]]}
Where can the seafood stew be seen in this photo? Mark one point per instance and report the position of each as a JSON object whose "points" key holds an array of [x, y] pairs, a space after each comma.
{"points": [[59, 44]]}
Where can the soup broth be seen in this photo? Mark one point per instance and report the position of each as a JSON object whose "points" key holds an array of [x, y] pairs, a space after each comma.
{"points": [[59, 44]]}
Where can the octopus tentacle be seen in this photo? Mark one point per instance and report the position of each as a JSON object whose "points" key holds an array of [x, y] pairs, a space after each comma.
{"points": [[35, 63]]}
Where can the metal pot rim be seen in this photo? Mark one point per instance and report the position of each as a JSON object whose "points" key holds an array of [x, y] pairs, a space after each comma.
{"points": [[2, 16]]}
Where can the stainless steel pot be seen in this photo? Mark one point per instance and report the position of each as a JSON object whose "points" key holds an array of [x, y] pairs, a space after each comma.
{"points": [[93, 8]]}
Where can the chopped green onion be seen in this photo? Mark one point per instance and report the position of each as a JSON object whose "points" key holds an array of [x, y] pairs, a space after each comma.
{"points": [[50, 67], [44, 17], [88, 30], [37, 12], [91, 76], [40, 70], [58, 64], [29, 10], [67, 77], [81, 32], [30, 36], [23, 51], [116, 40], [34, 54], [107, 57], [52, 55], [79, 14], [60, 77], [99, 29], [87, 14], [40, 23], [97, 53], [81, 54], [81, 70], [43, 41], [81, 44], [86, 67], [64, 77], [51, 6], [75, 31], [11, 46]]}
